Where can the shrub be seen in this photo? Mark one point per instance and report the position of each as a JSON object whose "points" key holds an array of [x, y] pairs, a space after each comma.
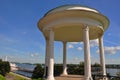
{"points": [[118, 74], [58, 68], [4, 67], [39, 79], [2, 78], [38, 72], [96, 65]]}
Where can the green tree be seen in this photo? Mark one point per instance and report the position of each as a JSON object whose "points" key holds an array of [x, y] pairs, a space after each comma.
{"points": [[81, 64], [2, 78], [6, 65], [0, 60], [81, 68], [2, 69], [58, 68], [96, 65], [38, 72], [118, 74], [71, 69]]}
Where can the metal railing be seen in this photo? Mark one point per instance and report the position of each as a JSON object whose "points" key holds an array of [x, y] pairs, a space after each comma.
{"points": [[102, 77]]}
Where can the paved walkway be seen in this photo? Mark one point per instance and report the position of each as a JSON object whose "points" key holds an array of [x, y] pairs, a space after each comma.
{"points": [[70, 77]]}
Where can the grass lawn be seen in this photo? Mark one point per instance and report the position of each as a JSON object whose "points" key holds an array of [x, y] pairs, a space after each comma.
{"points": [[13, 76]]}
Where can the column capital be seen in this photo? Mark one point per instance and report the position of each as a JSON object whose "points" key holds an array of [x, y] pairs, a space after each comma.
{"points": [[64, 42], [50, 29], [47, 39], [85, 27], [51, 32], [101, 37]]}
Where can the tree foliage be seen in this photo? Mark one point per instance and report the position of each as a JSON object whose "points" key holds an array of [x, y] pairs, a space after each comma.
{"points": [[4, 67], [118, 74], [38, 72], [58, 68], [76, 69], [96, 65], [2, 78]]}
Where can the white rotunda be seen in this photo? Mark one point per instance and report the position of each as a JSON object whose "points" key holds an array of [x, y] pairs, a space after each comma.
{"points": [[73, 23]]}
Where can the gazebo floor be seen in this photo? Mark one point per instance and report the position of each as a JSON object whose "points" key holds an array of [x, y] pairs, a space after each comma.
{"points": [[70, 77]]}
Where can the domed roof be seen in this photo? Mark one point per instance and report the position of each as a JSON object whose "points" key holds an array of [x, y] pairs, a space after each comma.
{"points": [[68, 21], [72, 7]]}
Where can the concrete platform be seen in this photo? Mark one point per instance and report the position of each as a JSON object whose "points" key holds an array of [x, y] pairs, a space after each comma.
{"points": [[70, 77]]}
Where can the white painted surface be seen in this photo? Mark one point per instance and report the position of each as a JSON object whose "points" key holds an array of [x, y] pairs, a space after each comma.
{"points": [[64, 59], [87, 53], [51, 56], [102, 58]]}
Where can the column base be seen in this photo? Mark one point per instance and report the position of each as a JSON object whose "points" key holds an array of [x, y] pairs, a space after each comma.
{"points": [[64, 74], [101, 78], [50, 78], [88, 78], [105, 78]]}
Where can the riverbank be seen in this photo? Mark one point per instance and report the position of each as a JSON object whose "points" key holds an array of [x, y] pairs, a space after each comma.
{"points": [[14, 76]]}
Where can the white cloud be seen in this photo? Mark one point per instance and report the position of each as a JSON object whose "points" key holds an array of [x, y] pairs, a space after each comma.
{"points": [[111, 61], [70, 46], [97, 51], [110, 50], [34, 54], [74, 42], [93, 43], [79, 48], [81, 43]]}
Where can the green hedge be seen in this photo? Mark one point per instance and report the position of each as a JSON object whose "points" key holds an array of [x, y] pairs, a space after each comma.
{"points": [[39, 79], [2, 78], [38, 72], [4, 67]]}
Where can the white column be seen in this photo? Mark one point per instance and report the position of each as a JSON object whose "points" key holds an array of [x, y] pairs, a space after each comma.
{"points": [[46, 59], [87, 60], [51, 56], [102, 58], [64, 59]]}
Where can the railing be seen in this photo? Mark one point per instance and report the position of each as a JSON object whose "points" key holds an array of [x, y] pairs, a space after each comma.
{"points": [[96, 74], [102, 77]]}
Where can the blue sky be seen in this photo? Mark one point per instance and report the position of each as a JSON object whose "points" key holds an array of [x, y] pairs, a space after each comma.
{"points": [[21, 40]]}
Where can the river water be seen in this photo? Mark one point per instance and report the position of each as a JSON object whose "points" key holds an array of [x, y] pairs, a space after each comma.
{"points": [[111, 71], [25, 66]]}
